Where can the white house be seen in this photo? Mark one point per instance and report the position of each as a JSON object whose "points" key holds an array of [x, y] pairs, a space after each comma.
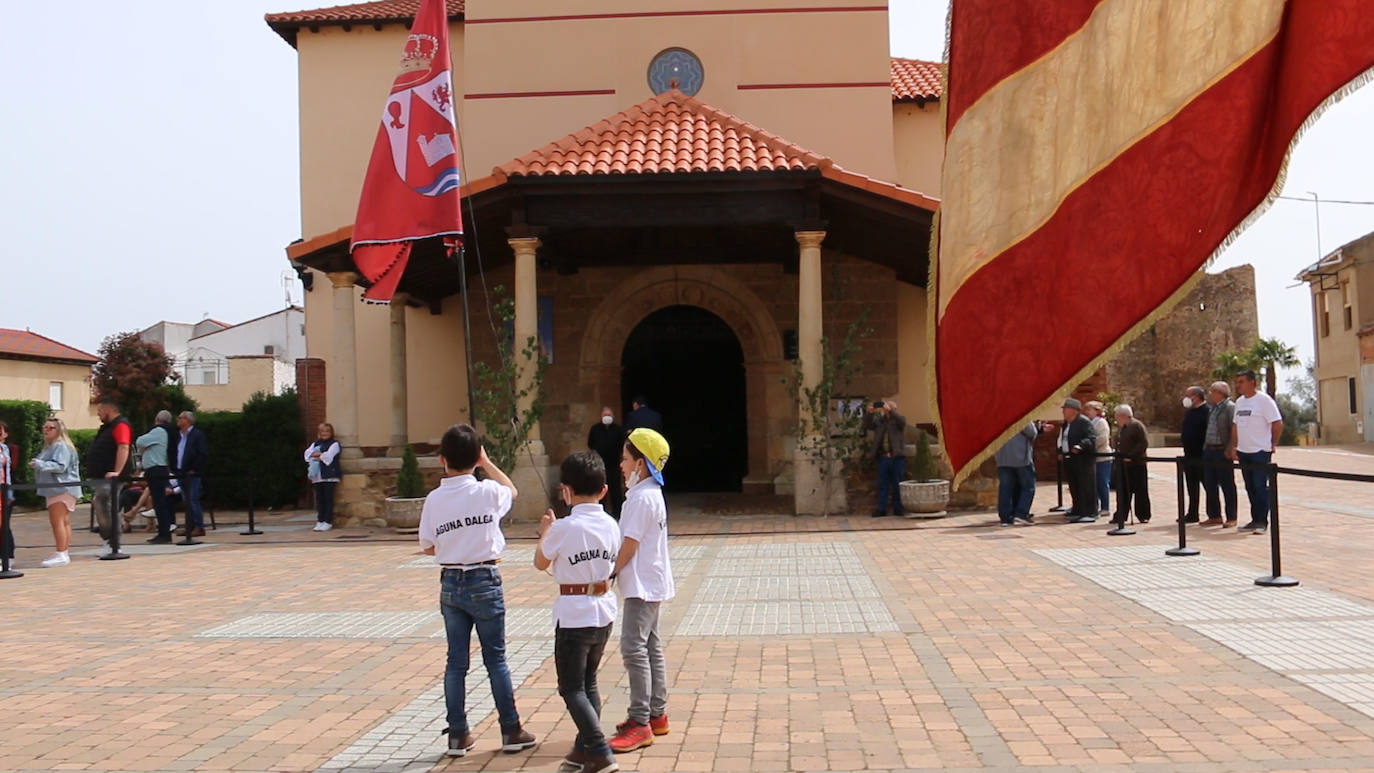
{"points": [[223, 365]]}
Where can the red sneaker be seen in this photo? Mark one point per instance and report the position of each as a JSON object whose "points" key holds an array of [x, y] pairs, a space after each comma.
{"points": [[659, 724], [631, 735]]}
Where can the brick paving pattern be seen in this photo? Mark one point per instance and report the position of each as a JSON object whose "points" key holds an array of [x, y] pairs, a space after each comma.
{"points": [[839, 644]]}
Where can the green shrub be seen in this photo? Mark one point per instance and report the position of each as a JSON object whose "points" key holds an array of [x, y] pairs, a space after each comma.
{"points": [[410, 484], [923, 465], [25, 419], [265, 441]]}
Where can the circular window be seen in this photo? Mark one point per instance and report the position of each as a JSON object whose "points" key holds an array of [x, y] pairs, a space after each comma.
{"points": [[676, 68]]}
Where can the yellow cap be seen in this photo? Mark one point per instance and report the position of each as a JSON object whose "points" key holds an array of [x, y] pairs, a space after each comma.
{"points": [[654, 448]]}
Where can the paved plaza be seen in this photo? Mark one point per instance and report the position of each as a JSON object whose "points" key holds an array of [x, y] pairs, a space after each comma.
{"points": [[845, 643]]}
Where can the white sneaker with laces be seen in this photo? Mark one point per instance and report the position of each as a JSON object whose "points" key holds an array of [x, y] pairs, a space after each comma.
{"points": [[56, 559], [326, 526], [317, 526]]}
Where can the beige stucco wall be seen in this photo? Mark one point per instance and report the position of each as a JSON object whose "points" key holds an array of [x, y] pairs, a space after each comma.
{"points": [[919, 141], [247, 377], [29, 380], [1338, 359]]}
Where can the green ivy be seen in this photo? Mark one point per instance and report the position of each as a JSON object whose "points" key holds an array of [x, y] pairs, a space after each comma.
{"points": [[496, 392]]}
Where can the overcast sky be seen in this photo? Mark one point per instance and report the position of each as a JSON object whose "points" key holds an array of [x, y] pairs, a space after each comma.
{"points": [[151, 172]]}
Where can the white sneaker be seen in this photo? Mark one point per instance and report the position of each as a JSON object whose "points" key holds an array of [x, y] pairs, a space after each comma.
{"points": [[326, 526], [318, 524], [105, 550], [56, 559]]}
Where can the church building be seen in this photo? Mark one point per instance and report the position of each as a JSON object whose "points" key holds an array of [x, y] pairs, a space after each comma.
{"points": [[680, 196]]}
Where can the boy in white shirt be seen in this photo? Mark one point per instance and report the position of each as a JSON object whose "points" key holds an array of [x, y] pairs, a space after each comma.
{"points": [[461, 527], [645, 575], [579, 551]]}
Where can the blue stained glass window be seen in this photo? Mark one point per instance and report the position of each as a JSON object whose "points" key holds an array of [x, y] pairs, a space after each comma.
{"points": [[676, 68]]}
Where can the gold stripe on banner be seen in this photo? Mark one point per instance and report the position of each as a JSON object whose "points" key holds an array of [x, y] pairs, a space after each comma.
{"points": [[1016, 154]]}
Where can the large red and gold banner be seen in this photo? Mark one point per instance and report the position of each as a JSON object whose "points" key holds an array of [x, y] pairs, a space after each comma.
{"points": [[413, 180], [1098, 153]]}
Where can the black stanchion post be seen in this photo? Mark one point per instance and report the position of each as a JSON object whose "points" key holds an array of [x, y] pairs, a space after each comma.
{"points": [[6, 535], [1182, 549], [1123, 495], [1276, 578], [186, 500], [1058, 483], [116, 524], [252, 528]]}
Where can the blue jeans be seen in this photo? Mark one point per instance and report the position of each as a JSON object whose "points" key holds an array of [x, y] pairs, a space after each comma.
{"points": [[891, 470], [1015, 492], [1104, 485], [324, 501], [191, 487], [576, 657], [1219, 482], [1257, 484], [473, 598]]}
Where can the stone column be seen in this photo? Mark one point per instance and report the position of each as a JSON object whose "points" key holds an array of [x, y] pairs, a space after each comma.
{"points": [[400, 433], [526, 321], [811, 492], [342, 367], [531, 464]]}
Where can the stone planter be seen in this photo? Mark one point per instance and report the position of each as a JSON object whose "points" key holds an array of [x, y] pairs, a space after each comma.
{"points": [[403, 513], [924, 499]]}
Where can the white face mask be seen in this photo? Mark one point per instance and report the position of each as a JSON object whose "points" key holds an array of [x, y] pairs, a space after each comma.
{"points": [[1187, 402], [607, 420], [633, 480]]}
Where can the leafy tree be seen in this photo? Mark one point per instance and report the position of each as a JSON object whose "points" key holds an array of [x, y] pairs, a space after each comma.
{"points": [[1296, 417], [1273, 354], [136, 375], [497, 394], [1231, 363], [1303, 389]]}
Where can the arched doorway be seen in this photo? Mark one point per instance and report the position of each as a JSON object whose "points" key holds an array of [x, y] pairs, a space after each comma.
{"points": [[689, 365]]}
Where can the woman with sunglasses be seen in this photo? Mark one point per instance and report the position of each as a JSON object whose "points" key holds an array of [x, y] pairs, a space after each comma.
{"points": [[55, 470]]}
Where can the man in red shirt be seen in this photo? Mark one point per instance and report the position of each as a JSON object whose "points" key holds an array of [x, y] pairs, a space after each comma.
{"points": [[108, 457]]}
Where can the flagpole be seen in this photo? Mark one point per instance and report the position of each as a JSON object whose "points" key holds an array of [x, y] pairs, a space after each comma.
{"points": [[467, 329]]}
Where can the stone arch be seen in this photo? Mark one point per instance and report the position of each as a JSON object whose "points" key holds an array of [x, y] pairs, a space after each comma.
{"points": [[770, 410]]}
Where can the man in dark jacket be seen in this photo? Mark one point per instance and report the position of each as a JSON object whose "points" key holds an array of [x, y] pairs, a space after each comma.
{"points": [[1194, 442], [889, 448], [1132, 444], [642, 416], [193, 451], [109, 456], [1077, 444], [607, 439]]}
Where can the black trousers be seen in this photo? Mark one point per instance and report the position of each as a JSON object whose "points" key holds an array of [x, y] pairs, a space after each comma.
{"points": [[162, 504], [1080, 473], [1192, 480], [1133, 483], [7, 532], [577, 656]]}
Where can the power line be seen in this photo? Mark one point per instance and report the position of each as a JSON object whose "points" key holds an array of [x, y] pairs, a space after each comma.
{"points": [[1326, 201]]}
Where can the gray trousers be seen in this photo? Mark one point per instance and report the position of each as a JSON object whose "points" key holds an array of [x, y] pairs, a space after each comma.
{"points": [[103, 500], [642, 651]]}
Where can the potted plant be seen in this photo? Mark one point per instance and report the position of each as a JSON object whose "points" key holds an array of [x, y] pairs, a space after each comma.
{"points": [[403, 510], [924, 493]]}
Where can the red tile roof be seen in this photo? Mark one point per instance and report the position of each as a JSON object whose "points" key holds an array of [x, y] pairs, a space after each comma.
{"points": [[671, 132], [26, 345], [914, 80], [379, 12]]}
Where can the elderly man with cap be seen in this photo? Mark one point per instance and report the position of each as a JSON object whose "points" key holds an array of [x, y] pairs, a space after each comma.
{"points": [[1077, 444], [1218, 480]]}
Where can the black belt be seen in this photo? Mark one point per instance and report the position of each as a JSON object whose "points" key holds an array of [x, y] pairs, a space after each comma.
{"points": [[465, 567]]}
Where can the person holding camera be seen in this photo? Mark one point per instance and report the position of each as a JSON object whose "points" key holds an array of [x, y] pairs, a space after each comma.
{"points": [[889, 448]]}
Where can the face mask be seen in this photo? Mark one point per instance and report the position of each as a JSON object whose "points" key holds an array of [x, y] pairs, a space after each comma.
{"points": [[1187, 402], [633, 479], [607, 420]]}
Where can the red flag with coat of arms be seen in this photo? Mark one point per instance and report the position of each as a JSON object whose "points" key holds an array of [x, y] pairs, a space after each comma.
{"points": [[1098, 153], [411, 190]]}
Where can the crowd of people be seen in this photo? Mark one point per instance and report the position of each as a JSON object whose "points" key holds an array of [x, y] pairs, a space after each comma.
{"points": [[1216, 433], [159, 470]]}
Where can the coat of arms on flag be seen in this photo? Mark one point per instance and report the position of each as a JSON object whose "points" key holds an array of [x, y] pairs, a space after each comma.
{"points": [[1098, 153], [411, 190]]}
